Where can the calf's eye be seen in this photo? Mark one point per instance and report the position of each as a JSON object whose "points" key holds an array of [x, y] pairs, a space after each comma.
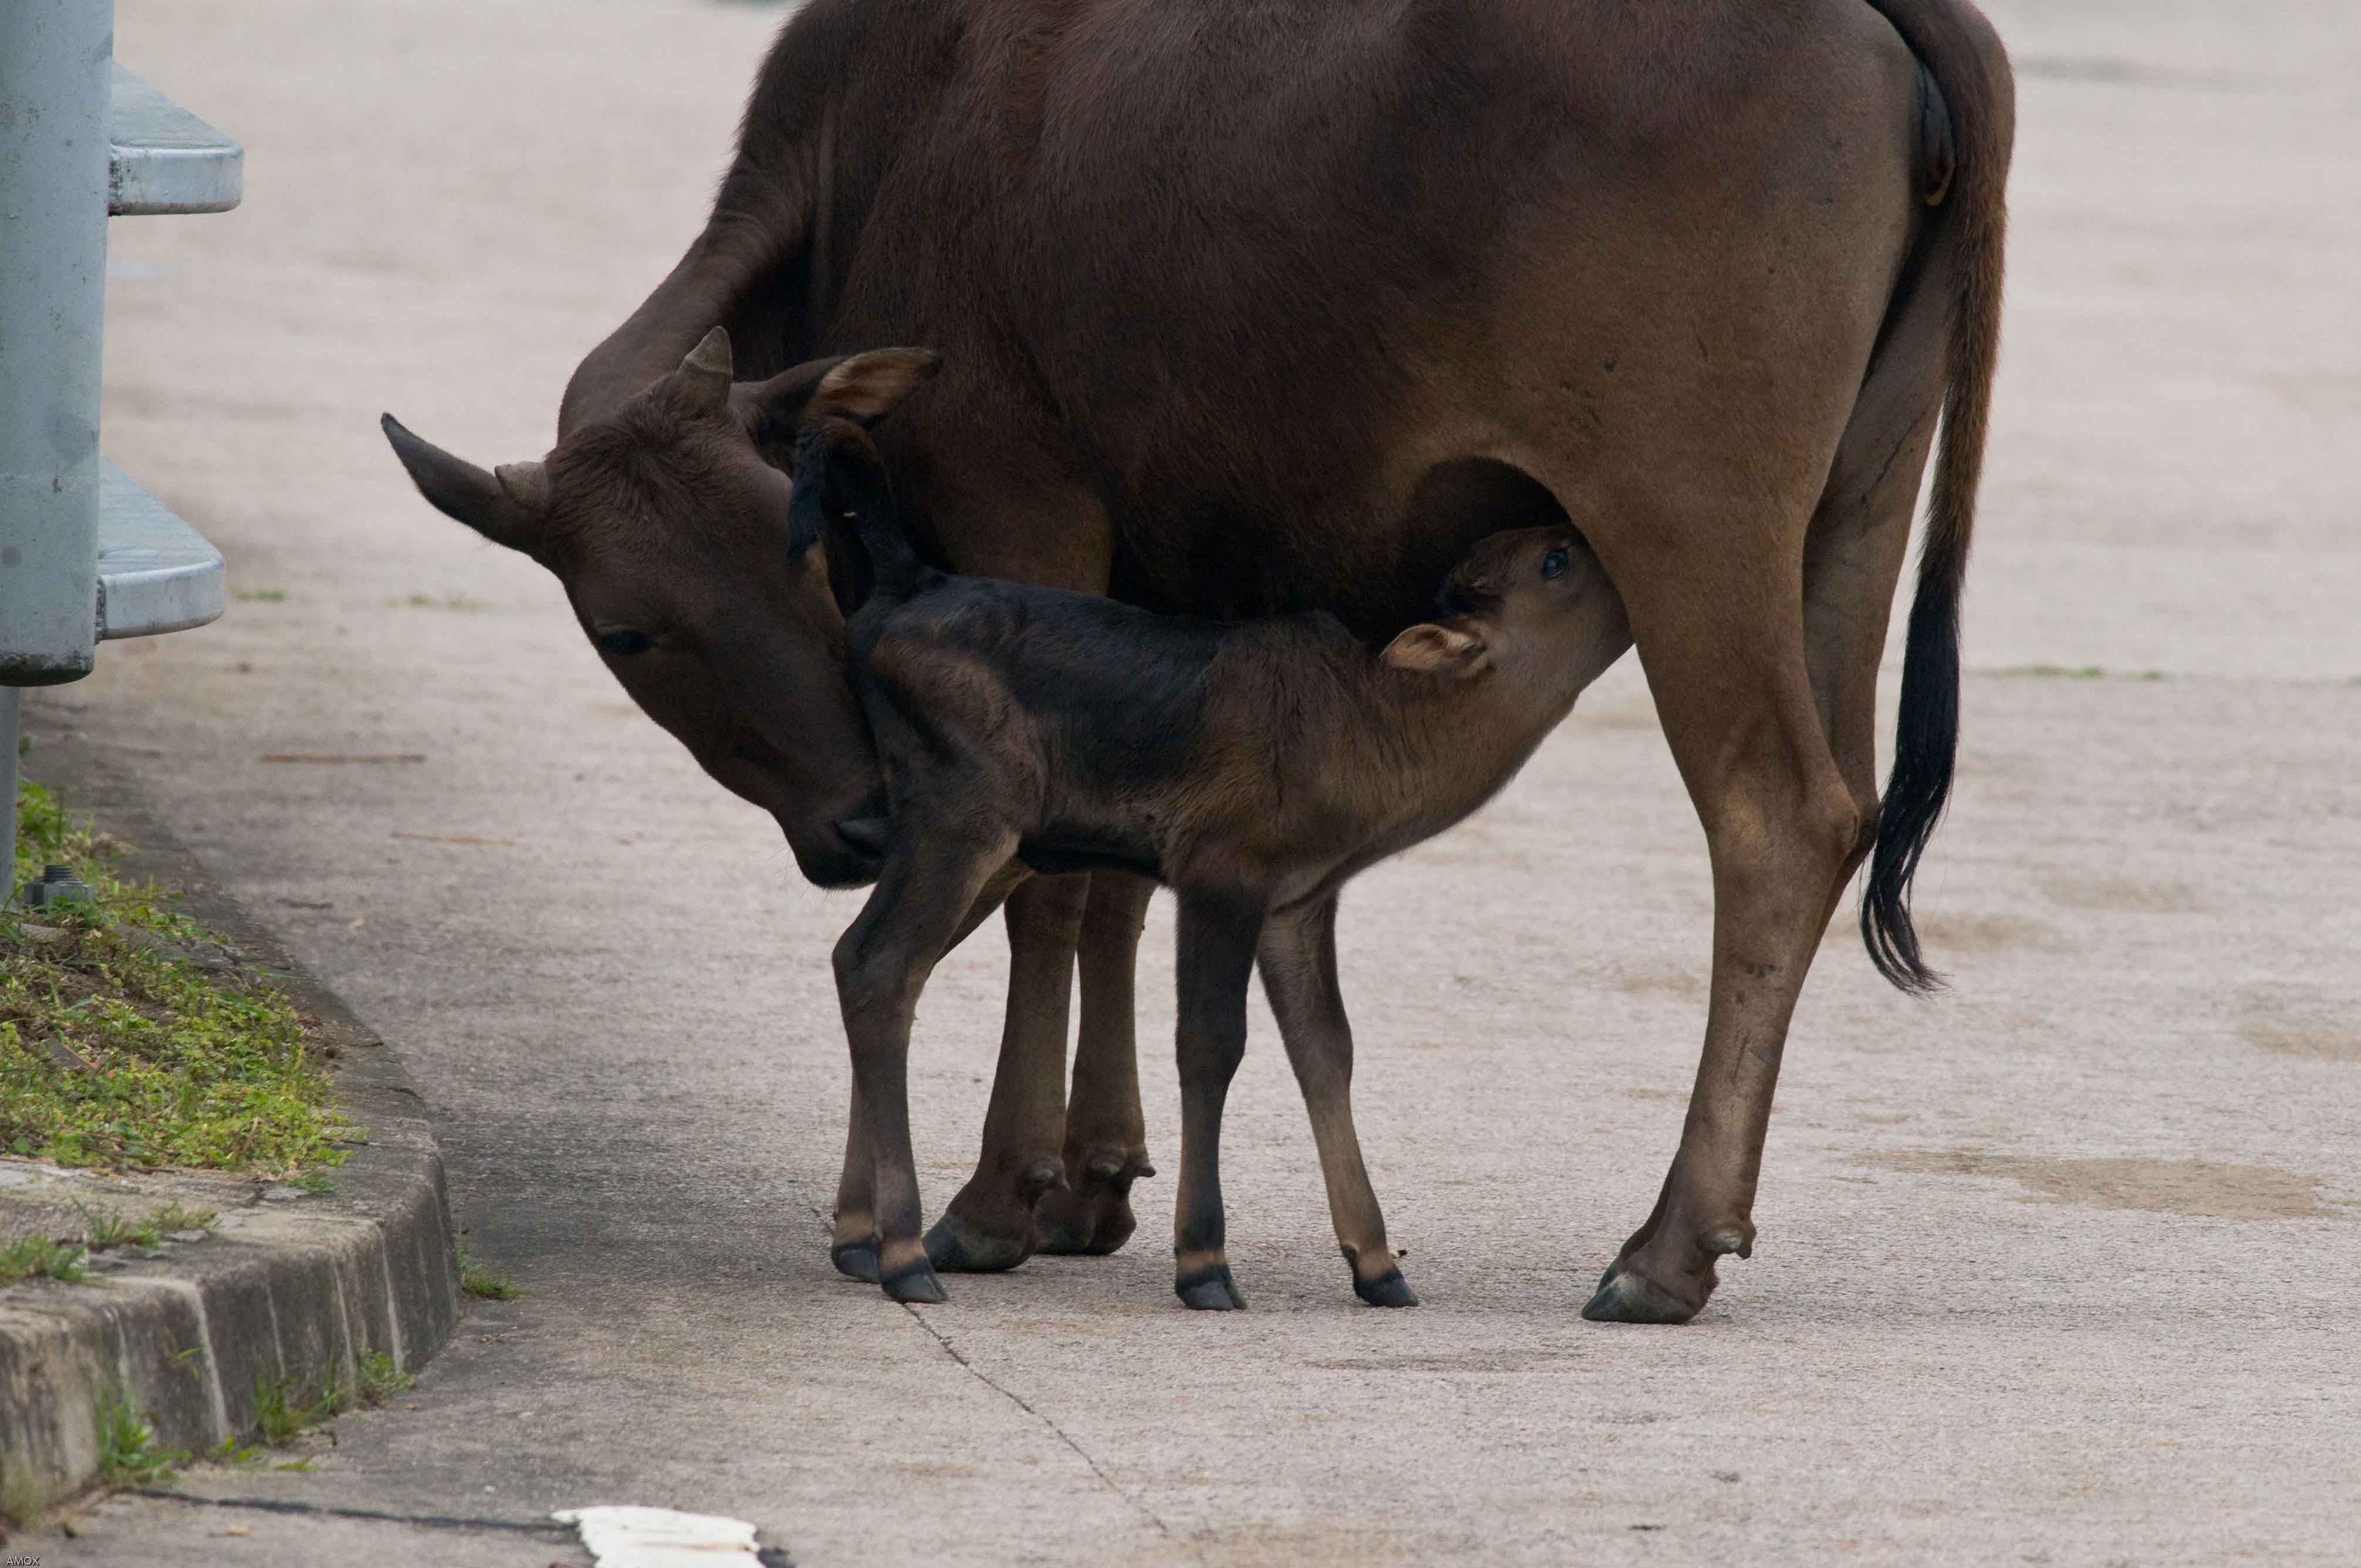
{"points": [[623, 644], [1555, 564]]}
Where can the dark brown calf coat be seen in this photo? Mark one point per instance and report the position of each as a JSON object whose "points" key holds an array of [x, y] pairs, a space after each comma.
{"points": [[1254, 767]]}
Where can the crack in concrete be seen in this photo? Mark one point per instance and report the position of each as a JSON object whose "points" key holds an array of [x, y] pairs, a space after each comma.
{"points": [[434, 1522], [1059, 1432]]}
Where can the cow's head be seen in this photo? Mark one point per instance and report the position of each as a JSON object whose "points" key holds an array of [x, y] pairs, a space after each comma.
{"points": [[667, 524]]}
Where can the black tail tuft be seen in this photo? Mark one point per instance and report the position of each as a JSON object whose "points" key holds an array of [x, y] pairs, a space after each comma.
{"points": [[1925, 745]]}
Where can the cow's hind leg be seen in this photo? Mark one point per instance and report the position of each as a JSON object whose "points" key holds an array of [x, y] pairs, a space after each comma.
{"points": [[990, 1224], [1107, 1136], [1216, 960], [1298, 958], [920, 901], [1721, 633]]}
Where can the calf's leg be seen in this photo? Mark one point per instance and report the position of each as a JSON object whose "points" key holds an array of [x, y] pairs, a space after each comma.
{"points": [[1216, 959], [990, 1224], [1298, 959], [1107, 1136], [853, 1248], [881, 963]]}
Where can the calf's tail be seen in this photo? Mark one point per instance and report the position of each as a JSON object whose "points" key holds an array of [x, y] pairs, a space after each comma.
{"points": [[1974, 109], [844, 500]]}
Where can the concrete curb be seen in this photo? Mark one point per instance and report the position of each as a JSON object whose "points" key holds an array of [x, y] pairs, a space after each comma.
{"points": [[296, 1288]]}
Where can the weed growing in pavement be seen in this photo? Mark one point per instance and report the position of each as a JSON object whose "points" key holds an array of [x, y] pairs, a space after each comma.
{"points": [[259, 596], [282, 1412], [382, 1379], [478, 1278], [318, 1183], [229, 1451], [35, 1256], [130, 1040], [127, 1452]]}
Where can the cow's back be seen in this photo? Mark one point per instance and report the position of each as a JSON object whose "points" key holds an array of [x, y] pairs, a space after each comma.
{"points": [[1246, 273]]}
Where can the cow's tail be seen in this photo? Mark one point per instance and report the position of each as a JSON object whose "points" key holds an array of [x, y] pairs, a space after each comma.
{"points": [[1970, 118], [844, 496]]}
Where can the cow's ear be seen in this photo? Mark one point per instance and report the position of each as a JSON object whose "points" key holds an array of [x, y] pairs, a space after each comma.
{"points": [[1435, 650], [507, 506]]}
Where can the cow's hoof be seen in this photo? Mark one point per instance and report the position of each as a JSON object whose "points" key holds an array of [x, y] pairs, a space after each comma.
{"points": [[1626, 1296], [915, 1282], [855, 1260], [957, 1246], [1210, 1290], [1389, 1289], [1093, 1217]]}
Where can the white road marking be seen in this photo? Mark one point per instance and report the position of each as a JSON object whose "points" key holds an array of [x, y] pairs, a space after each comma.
{"points": [[622, 1537]]}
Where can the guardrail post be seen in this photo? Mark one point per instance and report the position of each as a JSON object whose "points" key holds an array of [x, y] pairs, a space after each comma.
{"points": [[55, 60]]}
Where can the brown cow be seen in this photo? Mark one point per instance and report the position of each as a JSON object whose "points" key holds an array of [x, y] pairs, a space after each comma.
{"points": [[1256, 307]]}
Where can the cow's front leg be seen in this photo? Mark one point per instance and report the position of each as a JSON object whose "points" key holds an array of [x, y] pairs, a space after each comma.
{"points": [[990, 1225], [1107, 1136]]}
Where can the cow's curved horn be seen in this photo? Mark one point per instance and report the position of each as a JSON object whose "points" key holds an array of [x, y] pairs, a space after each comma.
{"points": [[459, 489], [708, 368], [527, 484]]}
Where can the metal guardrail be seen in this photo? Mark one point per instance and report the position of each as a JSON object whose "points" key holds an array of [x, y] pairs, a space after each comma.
{"points": [[164, 160], [85, 554]]}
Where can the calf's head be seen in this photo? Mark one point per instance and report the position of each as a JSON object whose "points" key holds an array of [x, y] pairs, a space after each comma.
{"points": [[1532, 613], [667, 524]]}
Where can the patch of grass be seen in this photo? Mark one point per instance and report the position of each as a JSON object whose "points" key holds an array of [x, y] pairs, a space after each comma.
{"points": [[282, 1411], [117, 1049], [459, 603], [128, 1452], [39, 1255], [382, 1379], [109, 1229], [259, 596], [318, 1183], [480, 1280]]}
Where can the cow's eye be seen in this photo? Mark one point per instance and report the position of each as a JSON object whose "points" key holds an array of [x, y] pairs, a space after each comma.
{"points": [[624, 642], [1555, 564]]}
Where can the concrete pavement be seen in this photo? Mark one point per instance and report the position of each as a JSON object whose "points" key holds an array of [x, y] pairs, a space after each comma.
{"points": [[2056, 1269]]}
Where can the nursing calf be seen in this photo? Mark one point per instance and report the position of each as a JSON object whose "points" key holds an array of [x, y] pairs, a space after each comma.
{"points": [[1253, 766]]}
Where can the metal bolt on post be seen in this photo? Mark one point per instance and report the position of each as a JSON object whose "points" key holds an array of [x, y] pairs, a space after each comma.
{"points": [[56, 884]]}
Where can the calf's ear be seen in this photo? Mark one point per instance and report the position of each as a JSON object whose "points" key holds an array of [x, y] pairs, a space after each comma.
{"points": [[506, 506], [1440, 651], [867, 387], [860, 386]]}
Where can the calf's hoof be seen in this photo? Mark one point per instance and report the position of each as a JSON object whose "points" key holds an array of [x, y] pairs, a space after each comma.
{"points": [[1092, 1216], [1210, 1290], [956, 1246], [1389, 1289], [915, 1282], [856, 1260]]}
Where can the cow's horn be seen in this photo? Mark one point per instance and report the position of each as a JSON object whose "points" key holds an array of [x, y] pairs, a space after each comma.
{"points": [[708, 367], [527, 484]]}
